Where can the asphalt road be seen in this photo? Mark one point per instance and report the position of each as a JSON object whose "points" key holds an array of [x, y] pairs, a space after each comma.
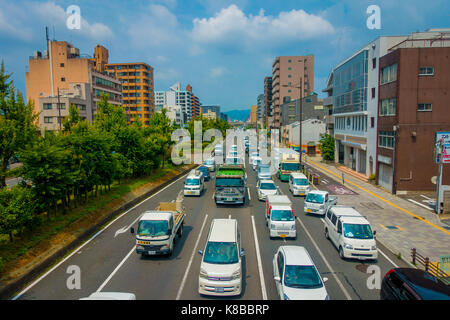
{"points": [[108, 261]]}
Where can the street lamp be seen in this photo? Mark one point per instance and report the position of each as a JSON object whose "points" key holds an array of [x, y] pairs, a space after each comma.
{"points": [[300, 111]]}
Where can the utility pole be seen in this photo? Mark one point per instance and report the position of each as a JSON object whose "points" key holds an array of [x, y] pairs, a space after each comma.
{"points": [[59, 112], [301, 116], [439, 177]]}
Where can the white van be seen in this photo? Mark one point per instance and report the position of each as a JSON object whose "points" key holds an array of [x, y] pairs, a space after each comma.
{"points": [[351, 233], [298, 184], [221, 266], [194, 184]]}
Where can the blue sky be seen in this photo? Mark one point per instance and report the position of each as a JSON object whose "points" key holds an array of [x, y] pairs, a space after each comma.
{"points": [[224, 49]]}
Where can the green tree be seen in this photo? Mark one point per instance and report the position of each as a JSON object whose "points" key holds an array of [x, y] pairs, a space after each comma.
{"points": [[326, 144], [161, 128], [17, 123]]}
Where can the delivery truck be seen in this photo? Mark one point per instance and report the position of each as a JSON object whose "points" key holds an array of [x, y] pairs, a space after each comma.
{"points": [[280, 217]]}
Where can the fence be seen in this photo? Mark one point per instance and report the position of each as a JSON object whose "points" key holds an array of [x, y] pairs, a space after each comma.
{"points": [[434, 269]]}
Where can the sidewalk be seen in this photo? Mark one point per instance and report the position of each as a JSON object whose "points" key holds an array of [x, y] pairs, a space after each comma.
{"points": [[400, 224]]}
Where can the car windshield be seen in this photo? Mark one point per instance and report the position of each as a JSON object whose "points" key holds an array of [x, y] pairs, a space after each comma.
{"points": [[268, 186], [229, 182], [204, 170], [290, 166], [192, 182], [301, 182], [314, 198], [233, 161], [282, 215], [153, 228], [357, 231], [302, 277], [209, 161], [221, 253]]}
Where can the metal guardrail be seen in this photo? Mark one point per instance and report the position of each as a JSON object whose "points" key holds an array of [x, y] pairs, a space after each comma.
{"points": [[430, 267]]}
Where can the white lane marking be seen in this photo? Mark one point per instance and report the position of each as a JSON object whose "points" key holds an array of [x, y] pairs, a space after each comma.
{"points": [[116, 269], [325, 260], [387, 258], [425, 197], [122, 230], [258, 258], [89, 240], [180, 290], [419, 204], [325, 180], [249, 196]]}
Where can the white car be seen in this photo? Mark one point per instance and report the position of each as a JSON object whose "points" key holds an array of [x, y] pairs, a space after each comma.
{"points": [[221, 266], [265, 188], [296, 277], [255, 162], [253, 155], [210, 164], [298, 184]]}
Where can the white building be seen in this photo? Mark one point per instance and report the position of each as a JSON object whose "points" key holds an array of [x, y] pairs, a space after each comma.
{"points": [[174, 113], [311, 131], [354, 83], [175, 97]]}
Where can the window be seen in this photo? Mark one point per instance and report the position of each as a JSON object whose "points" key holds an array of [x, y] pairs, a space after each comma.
{"points": [[388, 107], [426, 71], [386, 139], [289, 90], [388, 74], [47, 106], [48, 119], [424, 107], [289, 68], [333, 219], [374, 63], [63, 79], [372, 122], [373, 93], [61, 106], [348, 122], [289, 76], [61, 65], [289, 60]]}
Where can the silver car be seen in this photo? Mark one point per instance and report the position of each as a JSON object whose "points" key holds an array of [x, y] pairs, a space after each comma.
{"points": [[265, 188]]}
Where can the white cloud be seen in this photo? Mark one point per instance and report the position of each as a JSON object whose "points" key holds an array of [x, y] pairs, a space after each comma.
{"points": [[218, 72], [231, 26]]}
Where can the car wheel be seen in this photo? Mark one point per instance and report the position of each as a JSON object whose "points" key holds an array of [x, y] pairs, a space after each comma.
{"points": [[326, 234], [341, 253]]}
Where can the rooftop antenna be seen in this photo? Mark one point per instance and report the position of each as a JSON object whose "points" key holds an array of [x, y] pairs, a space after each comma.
{"points": [[54, 38], [46, 36]]}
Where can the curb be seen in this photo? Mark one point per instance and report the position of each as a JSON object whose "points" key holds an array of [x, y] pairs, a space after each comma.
{"points": [[8, 291]]}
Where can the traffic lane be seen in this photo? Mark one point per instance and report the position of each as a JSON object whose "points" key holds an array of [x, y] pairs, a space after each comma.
{"points": [[98, 258], [269, 247], [352, 273], [251, 288], [160, 277]]}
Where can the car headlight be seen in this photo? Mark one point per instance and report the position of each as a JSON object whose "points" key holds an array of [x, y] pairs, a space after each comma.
{"points": [[140, 247], [166, 247], [236, 275], [203, 274], [321, 206], [348, 246], [293, 227], [285, 296], [374, 247]]}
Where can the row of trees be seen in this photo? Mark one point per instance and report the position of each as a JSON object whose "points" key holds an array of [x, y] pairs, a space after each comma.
{"points": [[61, 169]]}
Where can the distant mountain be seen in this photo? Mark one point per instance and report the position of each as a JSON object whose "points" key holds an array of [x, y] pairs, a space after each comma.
{"points": [[240, 115]]}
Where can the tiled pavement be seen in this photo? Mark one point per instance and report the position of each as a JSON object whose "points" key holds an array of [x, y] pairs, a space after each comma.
{"points": [[400, 224]]}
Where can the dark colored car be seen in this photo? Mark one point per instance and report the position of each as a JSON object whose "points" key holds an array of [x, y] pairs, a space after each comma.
{"points": [[205, 171], [412, 284]]}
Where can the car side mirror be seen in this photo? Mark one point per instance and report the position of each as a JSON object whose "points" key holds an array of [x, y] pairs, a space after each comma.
{"points": [[374, 232], [277, 279], [131, 230], [325, 280], [242, 252], [200, 252]]}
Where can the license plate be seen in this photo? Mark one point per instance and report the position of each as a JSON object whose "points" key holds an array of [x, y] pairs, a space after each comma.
{"points": [[308, 210], [282, 235], [229, 199], [219, 289], [301, 193], [152, 252]]}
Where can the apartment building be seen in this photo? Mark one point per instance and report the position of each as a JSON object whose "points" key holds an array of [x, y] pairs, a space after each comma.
{"points": [[414, 88], [77, 79], [254, 114], [137, 89], [267, 100], [292, 78], [354, 87], [183, 98], [260, 115]]}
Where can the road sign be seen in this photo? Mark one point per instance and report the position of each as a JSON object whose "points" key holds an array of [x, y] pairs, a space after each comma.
{"points": [[445, 155]]}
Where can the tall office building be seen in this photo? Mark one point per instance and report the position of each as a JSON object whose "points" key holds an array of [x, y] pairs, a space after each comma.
{"points": [[267, 100], [137, 89], [287, 71], [61, 76]]}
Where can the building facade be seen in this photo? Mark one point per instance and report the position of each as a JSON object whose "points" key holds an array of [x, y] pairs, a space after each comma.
{"points": [[267, 100], [354, 87], [78, 77], [311, 131], [414, 91], [253, 114], [137, 89], [189, 103], [287, 72]]}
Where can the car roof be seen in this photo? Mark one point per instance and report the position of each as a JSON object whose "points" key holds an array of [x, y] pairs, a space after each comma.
{"points": [[156, 215], [267, 181], [298, 175], [297, 255], [345, 211], [318, 192], [223, 230], [424, 284]]}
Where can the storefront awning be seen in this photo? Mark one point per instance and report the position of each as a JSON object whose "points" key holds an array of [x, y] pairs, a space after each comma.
{"points": [[354, 144]]}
